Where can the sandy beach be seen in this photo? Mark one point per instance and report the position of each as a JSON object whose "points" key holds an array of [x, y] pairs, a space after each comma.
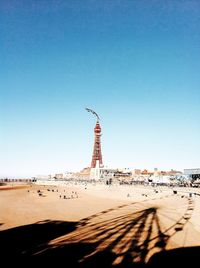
{"points": [[127, 225]]}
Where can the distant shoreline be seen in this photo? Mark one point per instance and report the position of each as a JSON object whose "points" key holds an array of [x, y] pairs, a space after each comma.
{"points": [[13, 186]]}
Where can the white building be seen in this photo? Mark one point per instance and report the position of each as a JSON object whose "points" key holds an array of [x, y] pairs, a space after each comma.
{"points": [[159, 179], [101, 173], [192, 171]]}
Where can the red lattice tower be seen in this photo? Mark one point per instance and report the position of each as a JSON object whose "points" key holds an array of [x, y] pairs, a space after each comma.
{"points": [[97, 156]]}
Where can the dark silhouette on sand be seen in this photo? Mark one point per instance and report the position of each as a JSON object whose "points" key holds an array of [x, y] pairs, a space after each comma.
{"points": [[98, 241]]}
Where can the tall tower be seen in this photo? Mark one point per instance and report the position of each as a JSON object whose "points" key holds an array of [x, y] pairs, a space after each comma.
{"points": [[97, 156]]}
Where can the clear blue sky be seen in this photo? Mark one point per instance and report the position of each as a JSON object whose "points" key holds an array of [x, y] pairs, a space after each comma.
{"points": [[136, 63]]}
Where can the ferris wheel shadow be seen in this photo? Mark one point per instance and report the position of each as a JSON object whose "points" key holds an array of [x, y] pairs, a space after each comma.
{"points": [[118, 238], [115, 237], [121, 241]]}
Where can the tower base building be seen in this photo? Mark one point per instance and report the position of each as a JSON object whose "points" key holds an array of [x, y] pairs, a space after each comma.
{"points": [[101, 173]]}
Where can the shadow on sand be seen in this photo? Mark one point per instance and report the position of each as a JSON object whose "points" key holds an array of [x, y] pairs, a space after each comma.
{"points": [[118, 241]]}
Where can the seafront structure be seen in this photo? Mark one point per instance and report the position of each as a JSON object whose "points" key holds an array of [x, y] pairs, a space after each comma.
{"points": [[194, 173], [97, 171], [97, 155]]}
